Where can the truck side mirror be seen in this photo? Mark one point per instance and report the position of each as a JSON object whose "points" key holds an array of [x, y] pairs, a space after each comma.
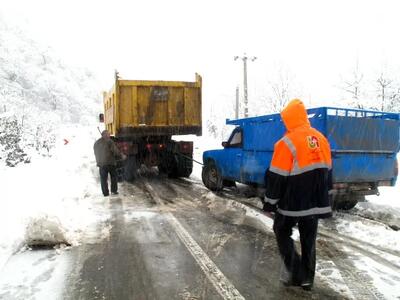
{"points": [[224, 144], [101, 118]]}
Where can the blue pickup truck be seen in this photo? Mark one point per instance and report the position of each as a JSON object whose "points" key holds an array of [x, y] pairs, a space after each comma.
{"points": [[364, 147]]}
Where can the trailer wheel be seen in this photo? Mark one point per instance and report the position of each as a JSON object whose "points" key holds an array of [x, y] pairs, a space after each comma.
{"points": [[130, 169], [211, 177]]}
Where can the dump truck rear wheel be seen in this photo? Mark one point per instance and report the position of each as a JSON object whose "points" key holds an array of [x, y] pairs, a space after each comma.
{"points": [[184, 172], [162, 169], [211, 177], [172, 166], [185, 166], [130, 169]]}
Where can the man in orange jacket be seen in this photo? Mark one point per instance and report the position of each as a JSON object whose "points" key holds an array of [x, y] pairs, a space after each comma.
{"points": [[297, 185]]}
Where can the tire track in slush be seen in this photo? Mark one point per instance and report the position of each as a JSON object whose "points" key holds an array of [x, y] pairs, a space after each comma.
{"points": [[360, 287], [220, 282]]}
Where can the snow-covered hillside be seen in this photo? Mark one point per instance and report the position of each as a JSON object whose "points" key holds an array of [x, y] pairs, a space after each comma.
{"points": [[38, 92], [48, 119]]}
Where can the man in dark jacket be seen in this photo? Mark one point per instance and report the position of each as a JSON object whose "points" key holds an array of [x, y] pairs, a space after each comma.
{"points": [[297, 185], [106, 153]]}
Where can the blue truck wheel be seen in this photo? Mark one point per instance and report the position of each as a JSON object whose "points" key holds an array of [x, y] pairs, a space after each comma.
{"points": [[211, 177], [346, 202]]}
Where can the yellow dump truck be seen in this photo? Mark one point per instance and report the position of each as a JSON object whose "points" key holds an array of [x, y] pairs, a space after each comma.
{"points": [[143, 115]]}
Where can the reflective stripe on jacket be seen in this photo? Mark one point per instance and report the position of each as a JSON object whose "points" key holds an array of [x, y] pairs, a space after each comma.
{"points": [[300, 173]]}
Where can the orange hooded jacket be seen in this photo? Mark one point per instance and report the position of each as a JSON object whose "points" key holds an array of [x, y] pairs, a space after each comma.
{"points": [[300, 173]]}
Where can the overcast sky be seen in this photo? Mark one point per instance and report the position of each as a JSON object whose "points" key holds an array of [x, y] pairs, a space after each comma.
{"points": [[318, 41]]}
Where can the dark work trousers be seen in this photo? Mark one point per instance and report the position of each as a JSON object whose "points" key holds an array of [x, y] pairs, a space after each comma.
{"points": [[301, 268], [104, 179]]}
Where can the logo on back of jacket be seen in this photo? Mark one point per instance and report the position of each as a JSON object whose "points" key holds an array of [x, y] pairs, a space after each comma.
{"points": [[312, 142]]}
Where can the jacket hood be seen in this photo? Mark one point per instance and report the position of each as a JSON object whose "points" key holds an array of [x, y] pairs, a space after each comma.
{"points": [[295, 115]]}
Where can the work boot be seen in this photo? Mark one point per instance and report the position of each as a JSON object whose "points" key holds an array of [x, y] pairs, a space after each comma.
{"points": [[307, 284], [286, 277]]}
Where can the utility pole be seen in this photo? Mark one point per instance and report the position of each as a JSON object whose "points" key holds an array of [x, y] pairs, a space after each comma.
{"points": [[237, 103], [245, 58]]}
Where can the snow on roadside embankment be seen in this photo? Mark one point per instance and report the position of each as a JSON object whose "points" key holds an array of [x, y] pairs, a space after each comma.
{"points": [[51, 198]]}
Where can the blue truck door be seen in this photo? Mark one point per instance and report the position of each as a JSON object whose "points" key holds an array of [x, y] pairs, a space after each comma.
{"points": [[233, 155]]}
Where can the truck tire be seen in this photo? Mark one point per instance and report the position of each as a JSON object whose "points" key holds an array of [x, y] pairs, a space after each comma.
{"points": [[211, 177], [162, 169], [347, 202], [228, 183], [170, 166], [130, 169], [184, 172], [185, 166]]}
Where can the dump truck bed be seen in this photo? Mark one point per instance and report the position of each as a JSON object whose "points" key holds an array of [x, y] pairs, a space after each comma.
{"points": [[153, 108]]}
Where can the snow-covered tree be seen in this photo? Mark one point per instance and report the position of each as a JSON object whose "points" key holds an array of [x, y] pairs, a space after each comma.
{"points": [[388, 92], [352, 86], [39, 93], [280, 89]]}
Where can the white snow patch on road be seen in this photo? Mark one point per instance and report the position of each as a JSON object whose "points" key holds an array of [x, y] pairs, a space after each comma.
{"points": [[385, 280], [141, 214], [328, 273], [372, 232]]}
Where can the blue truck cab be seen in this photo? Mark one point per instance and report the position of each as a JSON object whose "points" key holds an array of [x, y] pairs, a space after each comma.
{"points": [[364, 147]]}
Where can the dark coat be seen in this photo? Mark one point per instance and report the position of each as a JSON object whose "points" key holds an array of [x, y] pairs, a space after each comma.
{"points": [[106, 152]]}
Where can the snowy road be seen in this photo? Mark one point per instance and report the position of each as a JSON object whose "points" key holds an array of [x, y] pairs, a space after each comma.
{"points": [[173, 239]]}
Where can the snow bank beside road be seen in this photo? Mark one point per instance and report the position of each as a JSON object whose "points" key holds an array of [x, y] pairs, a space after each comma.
{"points": [[59, 188]]}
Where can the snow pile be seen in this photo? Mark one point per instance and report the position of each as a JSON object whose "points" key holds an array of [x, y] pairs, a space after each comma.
{"points": [[45, 231]]}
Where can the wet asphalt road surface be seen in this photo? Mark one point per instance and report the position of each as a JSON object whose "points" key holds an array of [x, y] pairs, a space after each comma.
{"points": [[166, 238], [146, 256]]}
